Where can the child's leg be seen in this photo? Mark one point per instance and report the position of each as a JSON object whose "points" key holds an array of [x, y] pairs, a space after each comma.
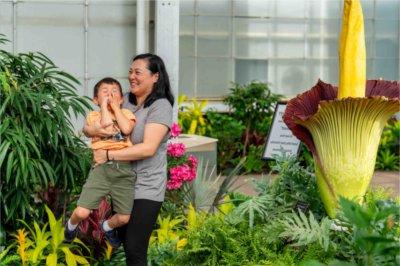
{"points": [[79, 214], [117, 220]]}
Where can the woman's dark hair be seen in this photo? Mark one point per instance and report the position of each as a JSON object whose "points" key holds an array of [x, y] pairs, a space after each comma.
{"points": [[162, 88], [108, 81]]}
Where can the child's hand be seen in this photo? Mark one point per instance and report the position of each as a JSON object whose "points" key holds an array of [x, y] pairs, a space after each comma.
{"points": [[103, 131], [114, 102], [105, 101]]}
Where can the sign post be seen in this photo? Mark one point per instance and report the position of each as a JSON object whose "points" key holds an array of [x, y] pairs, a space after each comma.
{"points": [[280, 139]]}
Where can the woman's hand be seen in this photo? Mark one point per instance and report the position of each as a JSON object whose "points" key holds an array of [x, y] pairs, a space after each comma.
{"points": [[99, 156]]}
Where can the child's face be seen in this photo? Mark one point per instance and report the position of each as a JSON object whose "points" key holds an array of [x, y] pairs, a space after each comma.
{"points": [[108, 92]]}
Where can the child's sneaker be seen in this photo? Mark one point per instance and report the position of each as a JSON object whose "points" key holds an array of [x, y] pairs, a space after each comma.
{"points": [[70, 235], [112, 237]]}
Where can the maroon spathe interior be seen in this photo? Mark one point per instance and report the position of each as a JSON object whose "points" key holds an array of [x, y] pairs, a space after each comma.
{"points": [[306, 104]]}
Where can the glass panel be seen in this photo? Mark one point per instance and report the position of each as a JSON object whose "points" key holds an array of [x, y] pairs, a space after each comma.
{"points": [[330, 71], [112, 40], [330, 37], [387, 69], [370, 68], [214, 77], [6, 24], [287, 38], [387, 9], [387, 42], [213, 36], [251, 38], [290, 8], [186, 7], [256, 8], [186, 76], [368, 8], [55, 29], [314, 38], [250, 70], [325, 9], [314, 72], [289, 76], [186, 33], [212, 7]]}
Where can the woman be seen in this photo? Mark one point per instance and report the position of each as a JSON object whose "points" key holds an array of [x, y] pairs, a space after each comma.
{"points": [[151, 101]]}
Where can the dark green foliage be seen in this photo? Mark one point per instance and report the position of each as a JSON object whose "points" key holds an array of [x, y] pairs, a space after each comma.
{"points": [[242, 132], [41, 158], [252, 104], [296, 186], [162, 254], [229, 132], [254, 162], [388, 157], [219, 243], [373, 231]]}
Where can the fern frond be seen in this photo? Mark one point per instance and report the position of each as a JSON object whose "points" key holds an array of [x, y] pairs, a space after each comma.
{"points": [[304, 231]]}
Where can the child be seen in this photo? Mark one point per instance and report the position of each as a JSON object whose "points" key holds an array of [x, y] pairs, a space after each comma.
{"points": [[114, 177]]}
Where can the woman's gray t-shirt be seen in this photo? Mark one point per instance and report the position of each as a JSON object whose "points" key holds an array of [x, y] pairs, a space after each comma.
{"points": [[151, 172]]}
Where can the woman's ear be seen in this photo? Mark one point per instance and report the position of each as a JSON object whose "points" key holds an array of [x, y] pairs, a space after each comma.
{"points": [[155, 77], [96, 101]]}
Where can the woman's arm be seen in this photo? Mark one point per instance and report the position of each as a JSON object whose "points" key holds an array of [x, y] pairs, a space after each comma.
{"points": [[153, 135]]}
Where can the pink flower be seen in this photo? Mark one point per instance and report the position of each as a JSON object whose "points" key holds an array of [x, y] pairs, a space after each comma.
{"points": [[193, 161], [176, 149], [175, 130]]}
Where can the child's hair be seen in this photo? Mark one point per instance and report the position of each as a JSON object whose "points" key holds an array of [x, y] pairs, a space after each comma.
{"points": [[106, 80]]}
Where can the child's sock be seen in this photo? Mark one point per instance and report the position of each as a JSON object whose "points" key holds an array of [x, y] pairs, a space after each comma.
{"points": [[106, 226], [71, 226]]}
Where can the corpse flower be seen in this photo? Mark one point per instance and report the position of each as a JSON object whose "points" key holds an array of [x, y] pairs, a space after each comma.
{"points": [[342, 126]]}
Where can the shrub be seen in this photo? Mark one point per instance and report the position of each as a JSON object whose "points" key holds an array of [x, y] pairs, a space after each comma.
{"points": [[41, 159], [253, 105]]}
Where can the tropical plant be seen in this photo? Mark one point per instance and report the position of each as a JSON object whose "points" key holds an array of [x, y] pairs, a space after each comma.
{"points": [[229, 133], [190, 117], [39, 245], [181, 166], [39, 150], [388, 157], [255, 207], [325, 116], [295, 186], [207, 191], [303, 231], [253, 105], [91, 233], [373, 231]]}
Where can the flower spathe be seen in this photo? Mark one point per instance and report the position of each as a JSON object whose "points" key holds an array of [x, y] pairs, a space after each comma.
{"points": [[343, 135], [181, 167], [342, 128]]}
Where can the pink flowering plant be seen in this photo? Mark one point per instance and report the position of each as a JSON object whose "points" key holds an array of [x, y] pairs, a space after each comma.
{"points": [[181, 167]]}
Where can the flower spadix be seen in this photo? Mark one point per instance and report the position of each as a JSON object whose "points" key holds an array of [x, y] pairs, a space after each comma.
{"points": [[342, 127]]}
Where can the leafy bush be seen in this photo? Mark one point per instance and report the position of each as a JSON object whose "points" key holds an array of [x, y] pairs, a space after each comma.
{"points": [[229, 133], [296, 186], [190, 117], [39, 245], [252, 104], [39, 151], [373, 231], [388, 157]]}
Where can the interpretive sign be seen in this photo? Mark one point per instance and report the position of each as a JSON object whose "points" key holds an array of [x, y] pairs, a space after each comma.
{"points": [[280, 139]]}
